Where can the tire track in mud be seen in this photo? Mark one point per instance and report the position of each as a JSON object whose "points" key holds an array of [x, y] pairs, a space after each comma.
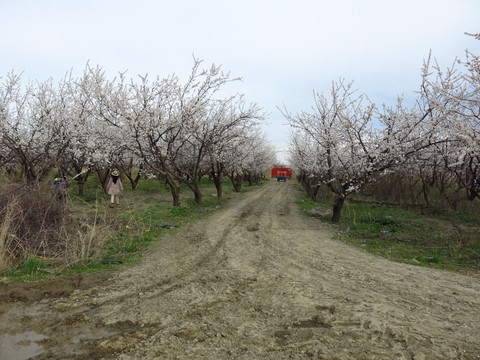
{"points": [[260, 280]]}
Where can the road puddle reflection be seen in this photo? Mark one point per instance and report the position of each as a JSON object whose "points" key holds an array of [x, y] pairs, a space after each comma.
{"points": [[20, 346]]}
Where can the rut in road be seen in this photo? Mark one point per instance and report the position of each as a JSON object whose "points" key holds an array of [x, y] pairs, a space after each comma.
{"points": [[260, 280]]}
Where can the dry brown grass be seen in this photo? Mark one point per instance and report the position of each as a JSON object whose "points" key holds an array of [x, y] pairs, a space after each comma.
{"points": [[7, 216], [34, 223], [87, 236]]}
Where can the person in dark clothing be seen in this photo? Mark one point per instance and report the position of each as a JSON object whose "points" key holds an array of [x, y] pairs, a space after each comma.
{"points": [[60, 186]]}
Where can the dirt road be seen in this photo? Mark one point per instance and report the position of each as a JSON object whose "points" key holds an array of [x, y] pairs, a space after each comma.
{"points": [[255, 280]]}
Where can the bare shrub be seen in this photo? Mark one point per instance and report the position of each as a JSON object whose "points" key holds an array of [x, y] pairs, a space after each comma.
{"points": [[34, 222]]}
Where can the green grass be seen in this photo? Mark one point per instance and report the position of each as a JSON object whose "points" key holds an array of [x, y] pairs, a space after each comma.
{"points": [[32, 268], [423, 237], [306, 204], [446, 242]]}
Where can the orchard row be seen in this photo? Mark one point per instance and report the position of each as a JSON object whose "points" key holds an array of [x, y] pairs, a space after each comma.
{"points": [[173, 129], [347, 141]]}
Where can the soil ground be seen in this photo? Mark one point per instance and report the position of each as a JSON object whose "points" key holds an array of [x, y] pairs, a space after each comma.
{"points": [[255, 280]]}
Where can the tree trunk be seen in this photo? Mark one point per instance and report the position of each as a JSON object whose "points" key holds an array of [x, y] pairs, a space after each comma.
{"points": [[80, 177], [311, 190], [237, 181], [426, 198], [175, 195], [217, 179], [218, 185], [134, 180], [174, 189], [337, 208], [81, 185], [196, 192], [103, 177]]}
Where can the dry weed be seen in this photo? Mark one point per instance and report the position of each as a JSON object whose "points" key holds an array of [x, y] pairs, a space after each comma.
{"points": [[34, 223]]}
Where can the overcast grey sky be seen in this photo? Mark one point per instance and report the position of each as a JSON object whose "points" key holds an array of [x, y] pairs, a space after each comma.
{"points": [[282, 49]]}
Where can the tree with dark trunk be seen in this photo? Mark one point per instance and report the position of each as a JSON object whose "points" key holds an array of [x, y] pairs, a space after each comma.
{"points": [[338, 145]]}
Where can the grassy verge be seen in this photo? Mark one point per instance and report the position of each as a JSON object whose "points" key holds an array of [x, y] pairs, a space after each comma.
{"points": [[112, 237], [421, 236]]}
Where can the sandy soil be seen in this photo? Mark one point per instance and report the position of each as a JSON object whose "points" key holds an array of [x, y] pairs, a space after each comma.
{"points": [[256, 280]]}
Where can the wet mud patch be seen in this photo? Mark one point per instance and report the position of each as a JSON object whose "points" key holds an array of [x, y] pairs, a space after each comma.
{"points": [[88, 340], [30, 328], [54, 287], [20, 345]]}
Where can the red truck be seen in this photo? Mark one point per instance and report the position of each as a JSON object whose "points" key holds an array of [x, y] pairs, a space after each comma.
{"points": [[281, 173]]}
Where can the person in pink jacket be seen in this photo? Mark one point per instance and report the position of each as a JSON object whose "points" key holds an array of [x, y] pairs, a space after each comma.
{"points": [[114, 188]]}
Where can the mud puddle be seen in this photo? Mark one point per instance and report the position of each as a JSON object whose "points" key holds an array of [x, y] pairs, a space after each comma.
{"points": [[32, 328], [20, 345]]}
